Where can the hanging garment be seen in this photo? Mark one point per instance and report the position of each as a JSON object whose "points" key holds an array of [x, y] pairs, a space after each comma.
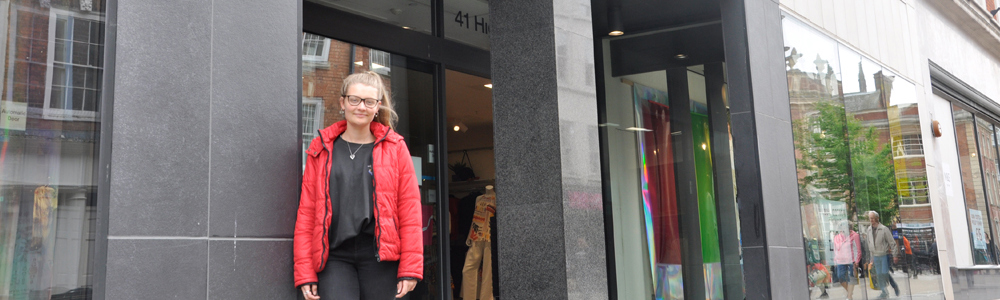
{"points": [[474, 286], [45, 204]]}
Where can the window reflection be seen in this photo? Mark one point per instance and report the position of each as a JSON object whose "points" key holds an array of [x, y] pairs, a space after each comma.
{"points": [[858, 148], [49, 134], [988, 158], [967, 129]]}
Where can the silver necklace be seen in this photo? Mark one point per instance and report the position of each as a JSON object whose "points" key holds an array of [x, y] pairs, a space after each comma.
{"points": [[353, 152]]}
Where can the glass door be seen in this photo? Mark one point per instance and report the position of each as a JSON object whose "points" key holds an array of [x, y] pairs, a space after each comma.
{"points": [[325, 64]]}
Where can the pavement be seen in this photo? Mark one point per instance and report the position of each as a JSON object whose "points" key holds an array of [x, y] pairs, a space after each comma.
{"points": [[924, 287]]}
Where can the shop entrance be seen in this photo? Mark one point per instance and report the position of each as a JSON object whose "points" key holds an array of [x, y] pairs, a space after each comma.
{"points": [[443, 97]]}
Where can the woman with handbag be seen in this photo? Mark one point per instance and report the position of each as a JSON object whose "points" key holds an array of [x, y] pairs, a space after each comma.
{"points": [[357, 233]]}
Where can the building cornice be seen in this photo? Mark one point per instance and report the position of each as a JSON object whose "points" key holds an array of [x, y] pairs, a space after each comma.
{"points": [[972, 19]]}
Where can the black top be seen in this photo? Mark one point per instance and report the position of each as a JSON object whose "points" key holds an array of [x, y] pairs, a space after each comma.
{"points": [[351, 188]]}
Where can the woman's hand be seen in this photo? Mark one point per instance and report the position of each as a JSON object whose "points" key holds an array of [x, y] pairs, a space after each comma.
{"points": [[309, 291], [404, 286]]}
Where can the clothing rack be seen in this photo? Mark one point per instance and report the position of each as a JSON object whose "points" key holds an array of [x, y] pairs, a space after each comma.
{"points": [[464, 188], [471, 149]]}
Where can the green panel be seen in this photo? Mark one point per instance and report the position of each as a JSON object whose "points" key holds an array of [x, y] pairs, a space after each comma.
{"points": [[706, 188]]}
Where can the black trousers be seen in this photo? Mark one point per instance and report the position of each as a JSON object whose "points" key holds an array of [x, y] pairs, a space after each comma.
{"points": [[352, 273]]}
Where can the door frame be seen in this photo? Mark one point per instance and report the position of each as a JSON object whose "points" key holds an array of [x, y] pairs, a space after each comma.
{"points": [[442, 54]]}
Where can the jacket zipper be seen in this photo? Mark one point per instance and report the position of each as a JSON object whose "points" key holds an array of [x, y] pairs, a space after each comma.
{"points": [[378, 231], [326, 168]]}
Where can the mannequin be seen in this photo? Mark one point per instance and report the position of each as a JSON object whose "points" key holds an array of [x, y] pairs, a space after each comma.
{"points": [[474, 287]]}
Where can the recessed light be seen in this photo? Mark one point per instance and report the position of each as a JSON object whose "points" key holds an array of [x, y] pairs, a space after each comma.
{"points": [[489, 85], [681, 56], [406, 27]]}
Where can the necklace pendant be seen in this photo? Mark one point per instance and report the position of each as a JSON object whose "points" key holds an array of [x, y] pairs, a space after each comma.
{"points": [[352, 156]]}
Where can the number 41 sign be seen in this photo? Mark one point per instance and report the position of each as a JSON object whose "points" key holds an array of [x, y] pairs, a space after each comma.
{"points": [[479, 23]]}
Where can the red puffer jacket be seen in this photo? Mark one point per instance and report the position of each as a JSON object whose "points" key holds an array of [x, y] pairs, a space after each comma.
{"points": [[397, 205]]}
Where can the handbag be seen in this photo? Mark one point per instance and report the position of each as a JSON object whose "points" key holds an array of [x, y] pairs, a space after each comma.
{"points": [[463, 169], [819, 274], [871, 279]]}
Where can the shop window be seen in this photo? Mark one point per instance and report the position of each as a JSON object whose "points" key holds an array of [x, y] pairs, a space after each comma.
{"points": [[977, 151], [474, 234], [50, 135], [857, 135], [666, 137]]}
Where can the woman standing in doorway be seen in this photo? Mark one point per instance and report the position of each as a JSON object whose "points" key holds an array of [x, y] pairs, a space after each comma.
{"points": [[357, 234]]}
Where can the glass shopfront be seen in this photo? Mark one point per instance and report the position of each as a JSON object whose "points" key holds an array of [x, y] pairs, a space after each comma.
{"points": [[859, 149], [49, 137], [665, 125]]}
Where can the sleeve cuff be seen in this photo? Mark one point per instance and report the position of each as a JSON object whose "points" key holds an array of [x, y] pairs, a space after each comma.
{"points": [[299, 287], [408, 278]]}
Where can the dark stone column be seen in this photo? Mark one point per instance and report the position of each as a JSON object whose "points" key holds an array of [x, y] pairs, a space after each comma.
{"points": [[205, 167], [549, 206], [770, 220]]}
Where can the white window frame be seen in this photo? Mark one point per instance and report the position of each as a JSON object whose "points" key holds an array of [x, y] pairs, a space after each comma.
{"points": [[317, 123], [380, 61], [62, 113], [325, 52]]}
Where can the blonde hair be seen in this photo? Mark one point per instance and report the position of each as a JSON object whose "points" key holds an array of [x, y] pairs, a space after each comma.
{"points": [[386, 114]]}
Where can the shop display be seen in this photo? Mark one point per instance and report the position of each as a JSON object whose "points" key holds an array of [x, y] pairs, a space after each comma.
{"points": [[476, 285]]}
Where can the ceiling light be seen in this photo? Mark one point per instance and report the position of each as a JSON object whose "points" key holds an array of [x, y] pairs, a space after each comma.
{"points": [[704, 146], [360, 63], [460, 127], [406, 27], [489, 85], [615, 27], [457, 128], [681, 56], [637, 129]]}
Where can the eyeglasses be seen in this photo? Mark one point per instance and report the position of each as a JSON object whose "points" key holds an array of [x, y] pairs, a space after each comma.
{"points": [[355, 100]]}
